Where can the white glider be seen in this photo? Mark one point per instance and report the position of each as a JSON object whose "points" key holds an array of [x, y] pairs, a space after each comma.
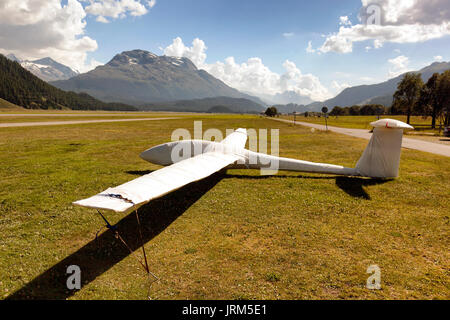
{"points": [[380, 159]]}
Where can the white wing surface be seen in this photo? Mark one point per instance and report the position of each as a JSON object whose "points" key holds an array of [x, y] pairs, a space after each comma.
{"points": [[133, 194], [237, 139]]}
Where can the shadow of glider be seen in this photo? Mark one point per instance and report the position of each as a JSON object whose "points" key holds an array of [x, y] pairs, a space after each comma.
{"points": [[101, 254]]}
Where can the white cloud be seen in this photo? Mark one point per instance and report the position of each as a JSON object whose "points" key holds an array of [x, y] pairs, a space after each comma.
{"points": [[407, 12], [437, 58], [92, 64], [196, 53], [338, 87], [309, 48], [251, 76], [118, 8], [35, 29], [337, 43], [399, 65], [377, 44], [288, 34], [344, 21], [102, 19], [401, 21], [40, 28]]}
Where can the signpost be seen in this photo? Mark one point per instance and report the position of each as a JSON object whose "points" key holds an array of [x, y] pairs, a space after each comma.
{"points": [[295, 113], [325, 110]]}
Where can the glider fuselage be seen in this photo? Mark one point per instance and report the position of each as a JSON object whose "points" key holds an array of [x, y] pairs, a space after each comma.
{"points": [[188, 161], [172, 152]]}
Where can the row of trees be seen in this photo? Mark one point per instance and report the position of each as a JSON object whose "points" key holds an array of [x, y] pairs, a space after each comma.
{"points": [[366, 110], [413, 97], [429, 99]]}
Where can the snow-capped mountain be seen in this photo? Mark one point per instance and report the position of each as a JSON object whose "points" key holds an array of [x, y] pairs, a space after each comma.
{"points": [[47, 69], [139, 77], [13, 57]]}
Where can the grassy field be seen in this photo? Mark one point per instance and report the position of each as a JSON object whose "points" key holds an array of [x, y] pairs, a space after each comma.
{"points": [[57, 115], [8, 106], [76, 117], [235, 235]]}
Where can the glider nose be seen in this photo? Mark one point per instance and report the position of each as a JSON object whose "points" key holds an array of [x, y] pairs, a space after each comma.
{"points": [[157, 155]]}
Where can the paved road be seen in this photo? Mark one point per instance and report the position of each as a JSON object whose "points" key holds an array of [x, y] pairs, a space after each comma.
{"points": [[408, 143], [53, 123]]}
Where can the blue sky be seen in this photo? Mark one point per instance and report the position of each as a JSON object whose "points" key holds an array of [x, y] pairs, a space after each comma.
{"points": [[245, 29], [241, 29], [238, 28], [345, 52]]}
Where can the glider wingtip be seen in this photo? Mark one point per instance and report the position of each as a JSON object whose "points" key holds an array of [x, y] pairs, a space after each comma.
{"points": [[391, 124]]}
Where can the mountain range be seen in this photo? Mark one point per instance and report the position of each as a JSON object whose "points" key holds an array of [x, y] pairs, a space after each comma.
{"points": [[20, 87], [140, 77], [213, 105], [285, 97], [148, 81], [46, 69], [380, 93]]}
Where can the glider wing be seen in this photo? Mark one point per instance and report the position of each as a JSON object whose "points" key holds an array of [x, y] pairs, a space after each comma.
{"points": [[236, 139], [133, 194]]}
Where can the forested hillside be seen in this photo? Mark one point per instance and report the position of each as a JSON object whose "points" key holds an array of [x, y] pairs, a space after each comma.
{"points": [[22, 88]]}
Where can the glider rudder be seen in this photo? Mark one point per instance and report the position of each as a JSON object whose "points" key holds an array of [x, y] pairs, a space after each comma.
{"points": [[381, 158]]}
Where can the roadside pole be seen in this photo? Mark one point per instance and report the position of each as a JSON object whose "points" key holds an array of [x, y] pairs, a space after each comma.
{"points": [[325, 110]]}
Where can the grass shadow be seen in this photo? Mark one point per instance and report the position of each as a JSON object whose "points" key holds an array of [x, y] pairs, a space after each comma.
{"points": [[101, 254], [139, 172], [243, 176], [354, 186]]}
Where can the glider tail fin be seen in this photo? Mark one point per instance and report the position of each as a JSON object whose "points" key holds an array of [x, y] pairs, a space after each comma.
{"points": [[381, 158]]}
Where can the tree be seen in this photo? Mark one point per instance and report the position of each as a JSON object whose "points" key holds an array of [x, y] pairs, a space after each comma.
{"points": [[271, 112], [429, 102], [354, 110], [443, 96], [372, 110], [338, 111], [408, 94]]}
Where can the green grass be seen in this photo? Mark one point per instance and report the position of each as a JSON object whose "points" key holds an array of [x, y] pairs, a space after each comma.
{"points": [[8, 106], [236, 235], [75, 117]]}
